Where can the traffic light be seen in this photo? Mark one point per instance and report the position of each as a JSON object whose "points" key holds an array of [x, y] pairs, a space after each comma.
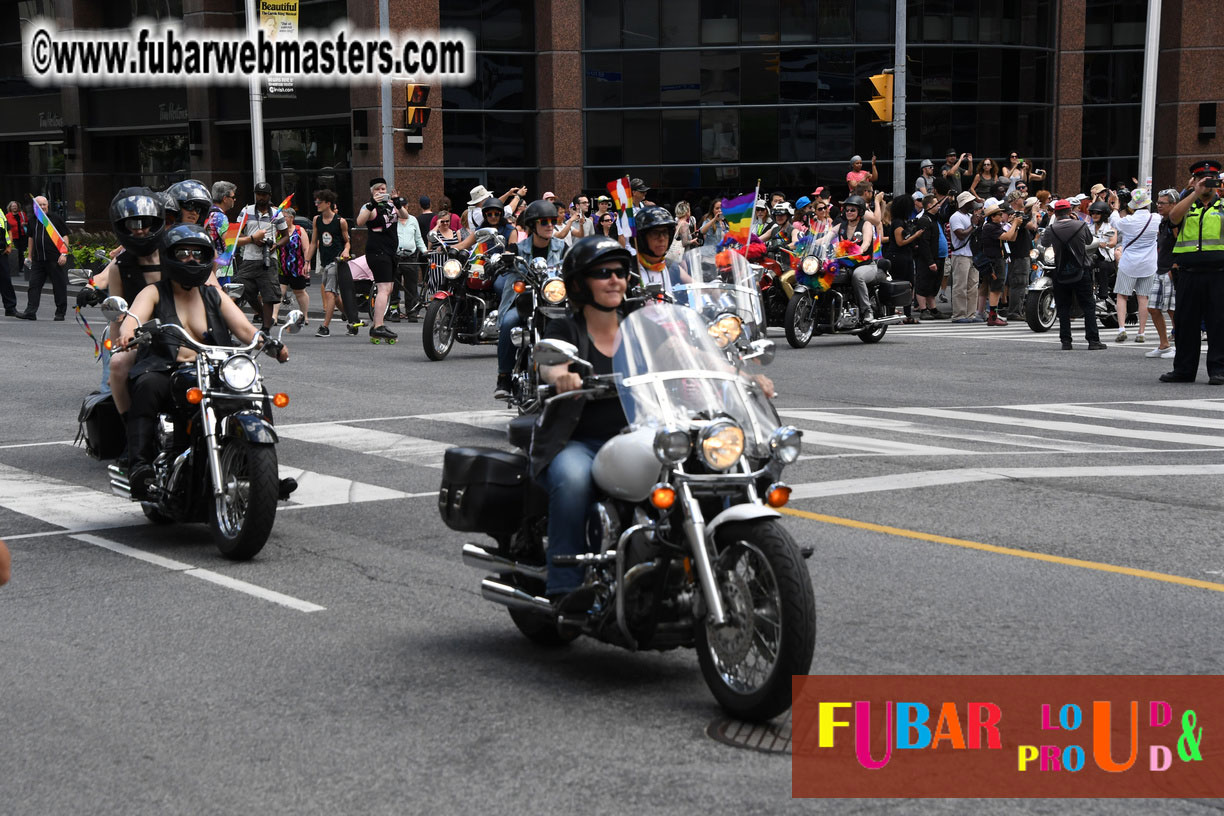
{"points": [[416, 114], [883, 104]]}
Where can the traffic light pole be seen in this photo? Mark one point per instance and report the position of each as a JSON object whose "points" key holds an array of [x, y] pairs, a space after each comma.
{"points": [[388, 145], [898, 122]]}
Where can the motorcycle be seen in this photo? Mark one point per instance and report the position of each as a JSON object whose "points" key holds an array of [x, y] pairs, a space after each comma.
{"points": [[464, 309], [824, 301], [216, 459], [723, 287], [540, 297], [685, 546], [776, 278], [1040, 312]]}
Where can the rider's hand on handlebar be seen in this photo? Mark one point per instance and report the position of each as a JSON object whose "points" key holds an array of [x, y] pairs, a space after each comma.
{"points": [[767, 386], [569, 381]]}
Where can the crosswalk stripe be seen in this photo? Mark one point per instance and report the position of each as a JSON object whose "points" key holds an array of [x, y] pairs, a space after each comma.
{"points": [[1142, 417], [1018, 440], [64, 504], [1064, 427], [321, 490], [871, 445], [398, 447], [1189, 405]]}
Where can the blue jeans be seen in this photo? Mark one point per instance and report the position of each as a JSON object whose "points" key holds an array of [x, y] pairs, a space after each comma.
{"points": [[568, 480], [507, 319]]}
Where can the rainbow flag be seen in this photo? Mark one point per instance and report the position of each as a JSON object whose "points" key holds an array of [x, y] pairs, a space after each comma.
{"points": [[231, 241], [738, 212], [622, 201], [288, 201], [52, 232]]}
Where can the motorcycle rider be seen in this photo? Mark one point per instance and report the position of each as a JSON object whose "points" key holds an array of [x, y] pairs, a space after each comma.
{"points": [[539, 219], [1104, 239], [782, 226], [655, 230], [596, 276], [193, 199], [853, 227], [380, 215], [493, 213]]}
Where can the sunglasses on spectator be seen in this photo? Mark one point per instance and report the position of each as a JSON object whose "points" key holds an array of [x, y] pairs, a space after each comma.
{"points": [[608, 221], [605, 272], [821, 209]]}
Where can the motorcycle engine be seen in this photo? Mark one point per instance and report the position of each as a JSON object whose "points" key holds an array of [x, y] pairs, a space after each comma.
{"points": [[848, 318]]}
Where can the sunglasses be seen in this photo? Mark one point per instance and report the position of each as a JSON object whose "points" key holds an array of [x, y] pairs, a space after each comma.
{"points": [[194, 206], [190, 253], [140, 223], [547, 222], [605, 272], [608, 221], [821, 209]]}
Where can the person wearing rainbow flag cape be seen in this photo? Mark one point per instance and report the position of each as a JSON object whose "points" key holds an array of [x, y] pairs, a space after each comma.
{"points": [[48, 259], [858, 247]]}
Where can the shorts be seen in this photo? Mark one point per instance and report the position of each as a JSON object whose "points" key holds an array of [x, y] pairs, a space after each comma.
{"points": [[330, 279], [262, 279], [1162, 299], [382, 267], [926, 281], [295, 282], [991, 275], [1125, 285]]}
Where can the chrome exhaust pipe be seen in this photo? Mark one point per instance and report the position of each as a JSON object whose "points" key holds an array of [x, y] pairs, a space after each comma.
{"points": [[506, 595], [119, 484], [884, 321], [480, 558]]}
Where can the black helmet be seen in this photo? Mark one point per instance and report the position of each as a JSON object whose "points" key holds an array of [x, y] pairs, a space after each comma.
{"points": [[649, 218], [1099, 207], [583, 255], [535, 211], [192, 242], [855, 201], [191, 195], [169, 204], [138, 202], [491, 203]]}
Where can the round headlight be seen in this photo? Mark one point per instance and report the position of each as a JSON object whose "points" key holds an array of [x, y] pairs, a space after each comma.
{"points": [[726, 329], [786, 443], [1033, 253], [452, 269], [554, 290], [1048, 257], [239, 373], [811, 265], [722, 444], [672, 445]]}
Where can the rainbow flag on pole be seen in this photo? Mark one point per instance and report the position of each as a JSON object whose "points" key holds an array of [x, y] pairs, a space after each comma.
{"points": [[288, 201], [231, 241], [622, 200], [738, 212], [52, 232]]}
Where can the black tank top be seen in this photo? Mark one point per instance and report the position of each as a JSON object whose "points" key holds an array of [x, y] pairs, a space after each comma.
{"points": [[132, 275], [331, 239]]}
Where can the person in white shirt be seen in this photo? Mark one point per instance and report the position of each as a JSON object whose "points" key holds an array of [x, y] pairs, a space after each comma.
{"points": [[1136, 245], [964, 275]]}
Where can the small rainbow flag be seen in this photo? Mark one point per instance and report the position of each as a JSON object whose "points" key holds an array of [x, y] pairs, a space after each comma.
{"points": [[231, 240], [622, 200], [287, 202], [738, 213], [52, 232]]}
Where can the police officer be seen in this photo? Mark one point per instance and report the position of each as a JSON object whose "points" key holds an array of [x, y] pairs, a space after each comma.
{"points": [[1198, 261]]}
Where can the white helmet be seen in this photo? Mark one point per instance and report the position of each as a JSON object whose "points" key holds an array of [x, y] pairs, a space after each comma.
{"points": [[783, 207]]}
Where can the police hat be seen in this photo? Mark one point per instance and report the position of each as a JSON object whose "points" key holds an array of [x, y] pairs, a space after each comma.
{"points": [[1205, 167]]}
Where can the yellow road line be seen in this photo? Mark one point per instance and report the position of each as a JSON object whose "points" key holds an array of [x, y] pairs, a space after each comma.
{"points": [[992, 548]]}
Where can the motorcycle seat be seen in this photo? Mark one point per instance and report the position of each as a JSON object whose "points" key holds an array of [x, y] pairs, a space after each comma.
{"points": [[519, 429]]}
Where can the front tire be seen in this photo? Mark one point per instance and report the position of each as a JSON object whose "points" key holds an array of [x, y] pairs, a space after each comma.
{"points": [[243, 515], [771, 633], [438, 331], [1039, 310], [800, 320]]}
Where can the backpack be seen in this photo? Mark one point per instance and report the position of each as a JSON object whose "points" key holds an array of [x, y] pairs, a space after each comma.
{"points": [[975, 240], [1068, 271]]}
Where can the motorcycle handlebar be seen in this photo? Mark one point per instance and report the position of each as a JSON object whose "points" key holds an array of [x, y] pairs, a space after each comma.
{"points": [[152, 327]]}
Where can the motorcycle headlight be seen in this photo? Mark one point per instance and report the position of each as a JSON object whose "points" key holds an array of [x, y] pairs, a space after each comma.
{"points": [[1048, 257], [811, 265], [672, 445], [1033, 254], [239, 373], [786, 443], [554, 290], [452, 269], [721, 445], [726, 329]]}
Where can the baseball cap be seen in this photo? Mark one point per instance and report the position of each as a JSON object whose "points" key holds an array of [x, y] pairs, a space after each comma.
{"points": [[951, 151], [263, 187], [964, 198], [638, 185], [918, 195], [1030, 201], [802, 202], [1062, 204]]}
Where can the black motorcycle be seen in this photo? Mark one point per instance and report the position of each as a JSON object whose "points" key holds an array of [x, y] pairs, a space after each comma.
{"points": [[539, 297], [464, 309], [216, 459]]}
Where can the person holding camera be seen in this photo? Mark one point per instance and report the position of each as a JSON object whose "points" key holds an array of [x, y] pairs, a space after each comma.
{"points": [[1198, 260], [1020, 264], [1137, 237], [993, 275], [380, 215], [264, 230]]}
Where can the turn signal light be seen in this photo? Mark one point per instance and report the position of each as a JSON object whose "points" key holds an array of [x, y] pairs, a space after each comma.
{"points": [[194, 396], [108, 344], [778, 495], [282, 399], [519, 287], [663, 497]]}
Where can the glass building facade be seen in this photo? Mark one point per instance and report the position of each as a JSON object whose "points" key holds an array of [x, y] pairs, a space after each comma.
{"points": [[1113, 84], [706, 96]]}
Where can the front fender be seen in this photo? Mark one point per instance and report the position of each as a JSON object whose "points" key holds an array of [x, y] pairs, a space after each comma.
{"points": [[248, 425], [739, 512], [1040, 283], [441, 294]]}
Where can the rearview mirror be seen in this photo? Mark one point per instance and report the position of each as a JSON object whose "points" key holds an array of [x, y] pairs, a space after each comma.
{"points": [[294, 321], [762, 350], [114, 308]]}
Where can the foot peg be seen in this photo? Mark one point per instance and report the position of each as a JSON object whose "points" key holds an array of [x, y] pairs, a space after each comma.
{"points": [[287, 486]]}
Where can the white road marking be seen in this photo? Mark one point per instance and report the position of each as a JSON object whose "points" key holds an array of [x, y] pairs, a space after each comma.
{"points": [[1065, 427], [62, 503], [35, 444], [931, 478], [399, 447], [203, 574], [1188, 405], [1141, 417], [883, 446], [321, 490]]}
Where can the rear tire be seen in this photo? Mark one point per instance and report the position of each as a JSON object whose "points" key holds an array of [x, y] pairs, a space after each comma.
{"points": [[874, 335], [771, 606], [242, 518], [438, 331]]}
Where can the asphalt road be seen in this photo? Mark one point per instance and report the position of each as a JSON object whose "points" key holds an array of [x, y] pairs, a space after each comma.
{"points": [[138, 685]]}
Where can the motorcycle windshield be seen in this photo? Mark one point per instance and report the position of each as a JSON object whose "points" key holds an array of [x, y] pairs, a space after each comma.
{"points": [[715, 283], [671, 372]]}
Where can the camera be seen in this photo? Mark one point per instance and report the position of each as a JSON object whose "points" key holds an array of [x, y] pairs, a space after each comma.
{"points": [[888, 197], [1212, 181]]}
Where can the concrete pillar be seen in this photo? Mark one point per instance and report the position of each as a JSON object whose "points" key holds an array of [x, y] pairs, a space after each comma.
{"points": [[558, 62], [1069, 98]]}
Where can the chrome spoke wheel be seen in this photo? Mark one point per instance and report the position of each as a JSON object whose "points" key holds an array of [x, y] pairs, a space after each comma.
{"points": [[745, 650]]}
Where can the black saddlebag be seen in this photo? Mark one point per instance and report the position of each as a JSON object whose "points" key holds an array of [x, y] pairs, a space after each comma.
{"points": [[896, 293], [484, 490], [100, 427]]}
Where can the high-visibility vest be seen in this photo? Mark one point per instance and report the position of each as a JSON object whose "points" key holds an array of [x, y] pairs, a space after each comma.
{"points": [[1202, 230]]}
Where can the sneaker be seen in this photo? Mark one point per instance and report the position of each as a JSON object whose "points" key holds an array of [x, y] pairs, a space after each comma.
{"points": [[382, 331], [393, 317], [1156, 352], [977, 319], [1097, 345], [1121, 338], [996, 320], [58, 318], [981, 316], [1174, 377], [1139, 338], [323, 332], [1169, 353], [352, 329], [502, 391]]}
